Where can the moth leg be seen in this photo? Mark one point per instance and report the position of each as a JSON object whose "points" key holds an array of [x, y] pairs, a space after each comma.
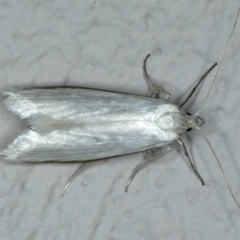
{"points": [[141, 165], [186, 154], [82, 167], [155, 87], [194, 89]]}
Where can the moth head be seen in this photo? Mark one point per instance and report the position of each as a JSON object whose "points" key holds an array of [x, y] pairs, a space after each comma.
{"points": [[194, 121]]}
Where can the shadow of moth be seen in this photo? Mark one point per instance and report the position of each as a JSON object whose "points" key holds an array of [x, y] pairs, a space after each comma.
{"points": [[86, 125]]}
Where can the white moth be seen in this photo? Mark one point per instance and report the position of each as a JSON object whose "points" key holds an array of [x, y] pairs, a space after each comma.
{"points": [[76, 124], [84, 125]]}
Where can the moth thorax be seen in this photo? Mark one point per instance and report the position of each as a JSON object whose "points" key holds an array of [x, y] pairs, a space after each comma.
{"points": [[174, 122]]}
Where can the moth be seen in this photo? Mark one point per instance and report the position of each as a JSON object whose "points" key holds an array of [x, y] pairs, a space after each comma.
{"points": [[86, 125]]}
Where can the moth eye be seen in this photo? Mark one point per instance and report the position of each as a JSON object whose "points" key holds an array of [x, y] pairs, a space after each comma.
{"points": [[189, 129]]}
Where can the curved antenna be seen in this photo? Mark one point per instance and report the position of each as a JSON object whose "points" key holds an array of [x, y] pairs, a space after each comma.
{"points": [[225, 178], [220, 61], [201, 79]]}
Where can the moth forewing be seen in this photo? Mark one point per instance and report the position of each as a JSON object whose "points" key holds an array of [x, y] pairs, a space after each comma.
{"points": [[74, 124]]}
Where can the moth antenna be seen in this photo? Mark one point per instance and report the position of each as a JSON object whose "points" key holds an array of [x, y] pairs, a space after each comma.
{"points": [[220, 61], [229, 188]]}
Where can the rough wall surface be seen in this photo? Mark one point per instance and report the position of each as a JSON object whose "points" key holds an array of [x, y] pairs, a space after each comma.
{"points": [[101, 44]]}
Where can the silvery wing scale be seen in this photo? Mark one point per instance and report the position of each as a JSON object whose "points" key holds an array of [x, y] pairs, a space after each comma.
{"points": [[76, 124]]}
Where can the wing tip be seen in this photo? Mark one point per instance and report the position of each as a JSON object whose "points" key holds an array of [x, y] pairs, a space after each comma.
{"points": [[15, 150], [7, 155], [15, 104]]}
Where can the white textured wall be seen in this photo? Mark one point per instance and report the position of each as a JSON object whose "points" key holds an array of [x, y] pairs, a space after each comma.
{"points": [[101, 44]]}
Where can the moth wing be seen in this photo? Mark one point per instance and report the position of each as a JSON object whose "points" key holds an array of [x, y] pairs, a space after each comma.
{"points": [[81, 143], [77, 105], [68, 124]]}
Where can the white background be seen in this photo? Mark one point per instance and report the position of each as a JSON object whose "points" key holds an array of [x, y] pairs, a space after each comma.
{"points": [[101, 44]]}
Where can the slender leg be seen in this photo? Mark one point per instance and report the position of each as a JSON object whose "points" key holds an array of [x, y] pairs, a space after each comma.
{"points": [[83, 166], [186, 154], [138, 167], [155, 87], [194, 89]]}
